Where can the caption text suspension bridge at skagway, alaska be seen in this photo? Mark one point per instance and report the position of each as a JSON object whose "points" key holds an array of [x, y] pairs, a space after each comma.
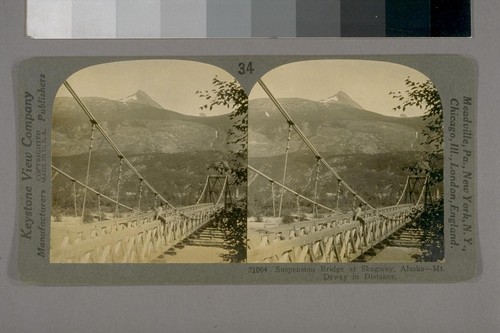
{"points": [[139, 236]]}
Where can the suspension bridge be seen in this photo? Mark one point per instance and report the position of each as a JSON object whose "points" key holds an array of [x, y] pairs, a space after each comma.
{"points": [[130, 233], [330, 235]]}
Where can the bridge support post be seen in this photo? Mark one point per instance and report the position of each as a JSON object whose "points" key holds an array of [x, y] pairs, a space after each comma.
{"points": [[99, 206], [418, 185], [315, 207], [118, 186], [74, 198], [272, 194], [140, 195], [339, 188], [298, 208]]}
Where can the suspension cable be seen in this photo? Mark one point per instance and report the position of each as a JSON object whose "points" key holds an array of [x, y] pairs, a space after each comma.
{"points": [[203, 192], [290, 190], [298, 208], [74, 195], [424, 189], [223, 191], [339, 189], [315, 208], [88, 169], [91, 189], [118, 183], [119, 153], [272, 194], [285, 167], [308, 143], [99, 206], [112, 144], [404, 191], [140, 195]]}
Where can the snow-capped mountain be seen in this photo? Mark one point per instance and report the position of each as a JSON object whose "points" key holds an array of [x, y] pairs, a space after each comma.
{"points": [[341, 98], [140, 97]]}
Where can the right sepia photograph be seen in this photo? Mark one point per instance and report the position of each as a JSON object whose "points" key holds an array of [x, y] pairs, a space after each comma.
{"points": [[345, 164]]}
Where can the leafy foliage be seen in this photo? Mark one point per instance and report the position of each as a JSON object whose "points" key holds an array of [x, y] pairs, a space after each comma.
{"points": [[232, 219], [232, 96], [431, 221], [424, 95], [287, 219]]}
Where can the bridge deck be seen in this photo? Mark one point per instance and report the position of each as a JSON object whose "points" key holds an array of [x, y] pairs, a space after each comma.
{"points": [[331, 239], [136, 238]]}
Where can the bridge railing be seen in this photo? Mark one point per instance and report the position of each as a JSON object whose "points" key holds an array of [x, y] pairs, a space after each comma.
{"points": [[136, 238], [336, 238]]}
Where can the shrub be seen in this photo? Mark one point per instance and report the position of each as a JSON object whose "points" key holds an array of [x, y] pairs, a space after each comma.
{"points": [[58, 216], [287, 219], [88, 218]]}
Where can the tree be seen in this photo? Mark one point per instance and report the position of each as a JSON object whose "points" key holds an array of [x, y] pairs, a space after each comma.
{"points": [[232, 219], [232, 96], [424, 95]]}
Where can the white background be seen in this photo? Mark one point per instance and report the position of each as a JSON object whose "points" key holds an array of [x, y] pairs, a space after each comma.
{"points": [[472, 306]]}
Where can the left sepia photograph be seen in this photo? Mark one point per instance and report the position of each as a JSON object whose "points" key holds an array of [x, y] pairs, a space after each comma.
{"points": [[149, 165]]}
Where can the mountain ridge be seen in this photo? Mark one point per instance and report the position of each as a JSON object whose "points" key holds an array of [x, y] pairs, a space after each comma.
{"points": [[331, 127], [135, 127], [338, 126]]}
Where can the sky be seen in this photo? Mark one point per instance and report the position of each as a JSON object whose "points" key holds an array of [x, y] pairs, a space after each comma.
{"points": [[171, 83], [367, 82]]}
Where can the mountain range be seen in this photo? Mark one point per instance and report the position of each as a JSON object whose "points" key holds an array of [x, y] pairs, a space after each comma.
{"points": [[335, 125], [137, 124], [173, 150]]}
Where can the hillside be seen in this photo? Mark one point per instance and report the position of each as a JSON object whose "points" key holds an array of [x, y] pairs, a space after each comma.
{"points": [[136, 125], [379, 178], [179, 177], [337, 125]]}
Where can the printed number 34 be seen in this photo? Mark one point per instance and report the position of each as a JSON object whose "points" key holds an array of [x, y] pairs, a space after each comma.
{"points": [[245, 68]]}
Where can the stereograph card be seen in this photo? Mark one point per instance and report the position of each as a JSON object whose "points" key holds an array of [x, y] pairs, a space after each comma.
{"points": [[247, 169]]}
